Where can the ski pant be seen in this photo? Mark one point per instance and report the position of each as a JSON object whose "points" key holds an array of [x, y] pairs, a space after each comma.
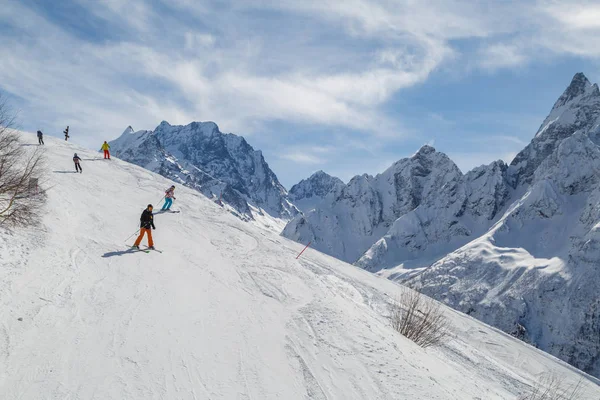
{"points": [[168, 203], [141, 236], [40, 140], [78, 168], [106, 154]]}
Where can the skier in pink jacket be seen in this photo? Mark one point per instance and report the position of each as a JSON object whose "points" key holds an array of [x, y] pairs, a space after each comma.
{"points": [[169, 197]]}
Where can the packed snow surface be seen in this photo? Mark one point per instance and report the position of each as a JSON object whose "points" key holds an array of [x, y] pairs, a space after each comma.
{"points": [[225, 312]]}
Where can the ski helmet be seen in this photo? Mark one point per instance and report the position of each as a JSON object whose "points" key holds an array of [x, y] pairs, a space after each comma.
{"points": [[149, 206]]}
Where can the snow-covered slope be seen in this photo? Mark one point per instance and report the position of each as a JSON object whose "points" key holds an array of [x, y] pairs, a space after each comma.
{"points": [[226, 312], [219, 165]]}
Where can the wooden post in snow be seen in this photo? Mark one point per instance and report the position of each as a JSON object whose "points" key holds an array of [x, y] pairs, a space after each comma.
{"points": [[298, 256]]}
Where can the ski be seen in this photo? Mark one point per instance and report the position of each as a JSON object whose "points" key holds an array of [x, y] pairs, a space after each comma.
{"points": [[149, 250], [133, 249]]}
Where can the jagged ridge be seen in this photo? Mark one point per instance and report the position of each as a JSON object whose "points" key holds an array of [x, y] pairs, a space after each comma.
{"points": [[218, 165]]}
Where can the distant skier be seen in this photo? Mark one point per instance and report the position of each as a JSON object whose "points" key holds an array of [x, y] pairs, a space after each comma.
{"points": [[40, 137], [169, 197], [76, 160], [106, 147], [146, 222], [66, 132]]}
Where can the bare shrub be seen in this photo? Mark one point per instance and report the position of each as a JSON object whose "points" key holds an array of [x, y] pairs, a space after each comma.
{"points": [[552, 387], [20, 173], [420, 319]]}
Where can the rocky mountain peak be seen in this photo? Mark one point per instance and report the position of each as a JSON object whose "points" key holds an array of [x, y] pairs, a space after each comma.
{"points": [[128, 131], [309, 192], [577, 109], [425, 150], [579, 86]]}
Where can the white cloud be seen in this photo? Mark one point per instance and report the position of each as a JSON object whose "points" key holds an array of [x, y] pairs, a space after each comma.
{"points": [[198, 41], [302, 158], [335, 64], [502, 56]]}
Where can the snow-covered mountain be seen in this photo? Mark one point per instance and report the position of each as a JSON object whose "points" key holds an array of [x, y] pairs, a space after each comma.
{"points": [[309, 193], [577, 109], [219, 165], [516, 246], [347, 223], [463, 209], [225, 312], [536, 272]]}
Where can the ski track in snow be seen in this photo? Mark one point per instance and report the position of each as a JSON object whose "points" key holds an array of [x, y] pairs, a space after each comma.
{"points": [[226, 312]]}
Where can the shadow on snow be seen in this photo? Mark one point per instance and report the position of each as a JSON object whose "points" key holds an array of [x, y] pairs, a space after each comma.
{"points": [[119, 253]]}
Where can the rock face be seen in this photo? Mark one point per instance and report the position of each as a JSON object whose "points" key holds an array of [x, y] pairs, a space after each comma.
{"points": [[218, 165], [311, 192], [461, 210], [516, 246], [353, 217], [577, 109]]}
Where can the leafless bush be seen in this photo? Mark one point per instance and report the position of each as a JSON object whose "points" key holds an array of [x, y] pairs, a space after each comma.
{"points": [[420, 318], [20, 172], [552, 387]]}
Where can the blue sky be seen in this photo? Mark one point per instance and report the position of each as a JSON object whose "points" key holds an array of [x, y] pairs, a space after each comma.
{"points": [[344, 86]]}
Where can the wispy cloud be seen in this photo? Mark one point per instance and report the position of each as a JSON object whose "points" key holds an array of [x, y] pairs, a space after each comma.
{"points": [[333, 64], [303, 158]]}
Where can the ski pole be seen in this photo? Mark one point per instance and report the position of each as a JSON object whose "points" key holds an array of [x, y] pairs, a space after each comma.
{"points": [[136, 232]]}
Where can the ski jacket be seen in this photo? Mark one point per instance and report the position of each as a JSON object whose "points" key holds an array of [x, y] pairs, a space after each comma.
{"points": [[169, 193], [76, 160], [40, 134], [105, 146], [147, 220]]}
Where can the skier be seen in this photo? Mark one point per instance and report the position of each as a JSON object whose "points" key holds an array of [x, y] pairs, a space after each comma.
{"points": [[146, 222], [76, 160], [169, 197], [105, 147], [66, 132], [40, 137]]}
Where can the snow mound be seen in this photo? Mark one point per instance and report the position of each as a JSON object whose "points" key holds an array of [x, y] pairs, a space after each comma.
{"points": [[225, 312]]}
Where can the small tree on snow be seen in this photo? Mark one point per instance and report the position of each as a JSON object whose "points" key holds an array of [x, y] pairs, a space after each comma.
{"points": [[420, 319], [551, 387], [20, 170]]}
